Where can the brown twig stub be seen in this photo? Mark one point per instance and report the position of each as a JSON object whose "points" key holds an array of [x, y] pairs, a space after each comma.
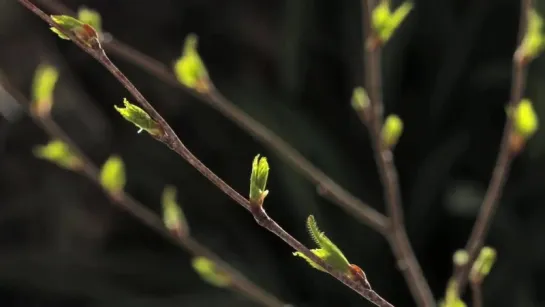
{"points": [[172, 141], [476, 294], [359, 275], [503, 162], [396, 235]]}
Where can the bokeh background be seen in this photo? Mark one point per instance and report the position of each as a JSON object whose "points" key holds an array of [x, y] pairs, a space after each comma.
{"points": [[291, 65]]}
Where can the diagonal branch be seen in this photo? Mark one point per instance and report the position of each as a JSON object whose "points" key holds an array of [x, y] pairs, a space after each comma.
{"points": [[335, 193], [170, 139], [397, 236], [503, 162], [145, 215]]}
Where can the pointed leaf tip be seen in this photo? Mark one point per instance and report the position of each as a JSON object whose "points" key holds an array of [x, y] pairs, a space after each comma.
{"points": [[336, 258], [313, 230], [381, 14], [68, 24], [139, 118], [191, 43], [327, 250], [84, 32], [385, 22]]}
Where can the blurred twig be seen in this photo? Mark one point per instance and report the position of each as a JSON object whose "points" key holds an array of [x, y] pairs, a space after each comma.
{"points": [[503, 162], [373, 118], [476, 294], [145, 215], [169, 138]]}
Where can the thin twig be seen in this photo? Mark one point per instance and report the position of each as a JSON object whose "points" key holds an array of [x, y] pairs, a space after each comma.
{"points": [[328, 188], [476, 294], [397, 235], [145, 215], [503, 162], [170, 139]]}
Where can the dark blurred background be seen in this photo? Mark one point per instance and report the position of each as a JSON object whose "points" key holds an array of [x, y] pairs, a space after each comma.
{"points": [[291, 65]]}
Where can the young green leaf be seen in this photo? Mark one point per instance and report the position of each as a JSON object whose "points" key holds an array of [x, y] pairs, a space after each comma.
{"points": [[452, 296], [112, 175], [525, 119], [85, 32], [385, 22], [208, 271], [327, 251], [360, 100], [258, 180], [68, 23], [90, 17], [58, 153], [533, 42], [380, 15], [396, 18], [173, 217], [139, 118], [43, 86], [457, 302], [483, 264], [392, 130], [190, 69]]}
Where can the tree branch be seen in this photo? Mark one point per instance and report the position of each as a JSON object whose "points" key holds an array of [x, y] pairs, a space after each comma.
{"points": [[142, 213], [170, 139], [397, 236], [503, 162], [329, 188]]}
